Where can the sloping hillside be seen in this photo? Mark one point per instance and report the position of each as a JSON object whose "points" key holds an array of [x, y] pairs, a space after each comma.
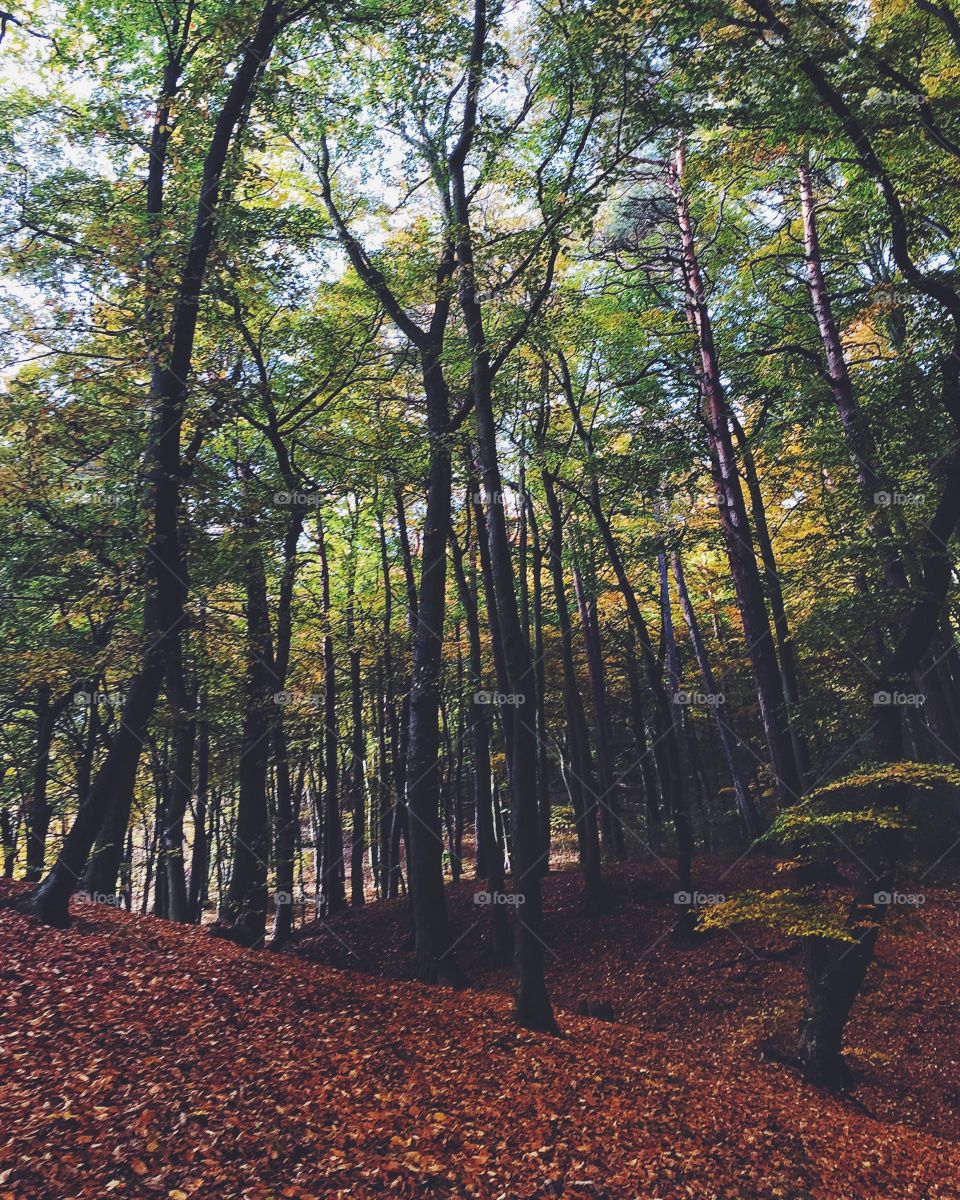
{"points": [[141, 1059]]}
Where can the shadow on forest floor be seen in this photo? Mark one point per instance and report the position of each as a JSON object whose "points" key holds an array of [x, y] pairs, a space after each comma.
{"points": [[738, 992]]}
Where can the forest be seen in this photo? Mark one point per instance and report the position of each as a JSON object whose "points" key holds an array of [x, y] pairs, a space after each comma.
{"points": [[480, 625]]}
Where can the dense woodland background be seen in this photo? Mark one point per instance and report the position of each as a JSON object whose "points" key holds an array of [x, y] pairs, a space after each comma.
{"points": [[445, 441]]}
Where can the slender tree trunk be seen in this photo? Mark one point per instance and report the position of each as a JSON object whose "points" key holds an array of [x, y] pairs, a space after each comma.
{"points": [[728, 738], [771, 576], [863, 454], [673, 682], [543, 760], [647, 761], [200, 855], [489, 854], [610, 827], [181, 788], [38, 811], [356, 782], [533, 1003], [285, 829], [733, 515], [8, 840], [332, 869], [581, 781]]}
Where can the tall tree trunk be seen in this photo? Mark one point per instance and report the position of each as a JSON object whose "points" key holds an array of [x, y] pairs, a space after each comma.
{"points": [[181, 789], [771, 577], [864, 455], [165, 609], [244, 911], [733, 515], [673, 682], [424, 840], [355, 779], [489, 854], [610, 827], [647, 761], [581, 780], [200, 855], [433, 947], [543, 760], [8, 840], [285, 831], [332, 870], [728, 739], [392, 749], [38, 811]]}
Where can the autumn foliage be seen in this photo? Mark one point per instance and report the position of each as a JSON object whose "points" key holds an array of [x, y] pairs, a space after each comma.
{"points": [[142, 1059]]}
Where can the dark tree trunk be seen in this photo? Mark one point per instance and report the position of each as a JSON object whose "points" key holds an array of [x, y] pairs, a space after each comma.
{"points": [[728, 739], [165, 609], [424, 839], [244, 911], [864, 455], [533, 1003], [8, 840], [181, 789], [200, 855], [611, 828], [543, 760], [672, 659], [489, 854], [401, 724], [581, 779], [647, 762], [355, 783], [38, 809], [285, 830], [331, 868], [432, 939], [355, 778], [734, 523], [771, 577]]}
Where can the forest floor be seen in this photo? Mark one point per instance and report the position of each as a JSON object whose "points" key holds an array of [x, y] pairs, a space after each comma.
{"points": [[142, 1059]]}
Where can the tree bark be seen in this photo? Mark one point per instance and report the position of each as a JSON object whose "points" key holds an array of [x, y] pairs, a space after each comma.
{"points": [[244, 911], [733, 515], [728, 739], [165, 609], [581, 780], [38, 809]]}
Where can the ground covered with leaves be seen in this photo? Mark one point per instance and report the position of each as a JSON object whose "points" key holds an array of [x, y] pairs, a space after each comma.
{"points": [[142, 1059]]}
